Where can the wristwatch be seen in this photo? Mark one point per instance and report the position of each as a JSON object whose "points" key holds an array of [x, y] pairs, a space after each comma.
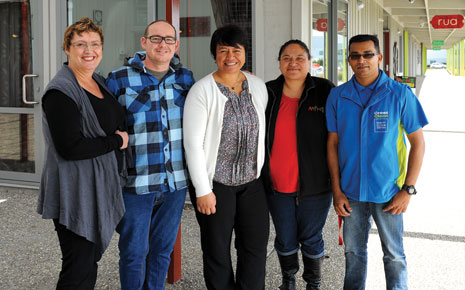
{"points": [[410, 189]]}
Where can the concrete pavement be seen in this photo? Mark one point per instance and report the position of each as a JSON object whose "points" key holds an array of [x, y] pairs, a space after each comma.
{"points": [[30, 254], [434, 223]]}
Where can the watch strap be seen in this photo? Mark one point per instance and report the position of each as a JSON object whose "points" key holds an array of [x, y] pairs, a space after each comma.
{"points": [[410, 189]]}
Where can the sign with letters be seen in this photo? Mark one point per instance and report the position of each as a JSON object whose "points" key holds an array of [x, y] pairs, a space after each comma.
{"points": [[438, 42], [447, 21]]}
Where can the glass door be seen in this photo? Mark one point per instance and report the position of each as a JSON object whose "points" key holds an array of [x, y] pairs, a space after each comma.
{"points": [[20, 76], [123, 23]]}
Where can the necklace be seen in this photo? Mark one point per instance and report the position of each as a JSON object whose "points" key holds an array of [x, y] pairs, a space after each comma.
{"points": [[233, 85], [239, 81]]}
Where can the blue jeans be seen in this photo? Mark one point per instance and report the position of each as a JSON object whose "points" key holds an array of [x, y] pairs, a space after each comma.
{"points": [[356, 230], [148, 232], [300, 224]]}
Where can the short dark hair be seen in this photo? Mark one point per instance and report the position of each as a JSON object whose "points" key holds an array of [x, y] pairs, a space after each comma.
{"points": [[363, 38], [294, 41], [229, 35], [156, 21]]}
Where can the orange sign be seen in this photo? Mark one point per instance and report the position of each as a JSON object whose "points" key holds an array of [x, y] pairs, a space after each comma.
{"points": [[322, 24]]}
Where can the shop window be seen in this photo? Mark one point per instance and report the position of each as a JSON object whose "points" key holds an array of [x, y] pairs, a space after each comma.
{"points": [[319, 42], [15, 51], [199, 19], [17, 142], [342, 42], [123, 23]]}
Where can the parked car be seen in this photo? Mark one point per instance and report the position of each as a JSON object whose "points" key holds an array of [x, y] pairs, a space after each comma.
{"points": [[437, 65], [318, 71]]}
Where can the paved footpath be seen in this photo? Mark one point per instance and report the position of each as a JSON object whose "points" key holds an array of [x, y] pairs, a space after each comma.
{"points": [[30, 255], [434, 223]]}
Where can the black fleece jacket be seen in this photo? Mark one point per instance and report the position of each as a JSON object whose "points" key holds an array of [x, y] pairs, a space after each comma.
{"points": [[311, 132]]}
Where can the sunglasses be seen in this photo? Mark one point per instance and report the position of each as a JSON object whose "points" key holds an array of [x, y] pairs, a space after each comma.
{"points": [[365, 55]]}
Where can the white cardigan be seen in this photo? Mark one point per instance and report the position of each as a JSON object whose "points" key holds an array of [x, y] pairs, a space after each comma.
{"points": [[203, 123]]}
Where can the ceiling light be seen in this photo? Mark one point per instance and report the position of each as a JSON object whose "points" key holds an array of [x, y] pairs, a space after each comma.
{"points": [[361, 5]]}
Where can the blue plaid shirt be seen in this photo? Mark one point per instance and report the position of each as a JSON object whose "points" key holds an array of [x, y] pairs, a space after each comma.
{"points": [[154, 111]]}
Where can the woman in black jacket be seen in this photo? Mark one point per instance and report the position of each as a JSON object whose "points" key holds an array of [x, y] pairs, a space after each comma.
{"points": [[296, 174]]}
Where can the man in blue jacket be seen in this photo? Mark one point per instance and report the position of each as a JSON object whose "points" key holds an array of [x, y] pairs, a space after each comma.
{"points": [[152, 87], [367, 159]]}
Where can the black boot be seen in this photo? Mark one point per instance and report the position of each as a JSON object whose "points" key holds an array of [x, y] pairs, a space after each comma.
{"points": [[289, 266], [312, 272]]}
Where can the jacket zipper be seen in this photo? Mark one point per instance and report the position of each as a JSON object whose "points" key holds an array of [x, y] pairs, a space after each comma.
{"points": [[297, 143]]}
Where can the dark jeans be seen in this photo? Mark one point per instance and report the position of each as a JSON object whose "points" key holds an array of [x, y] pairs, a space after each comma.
{"points": [[299, 225], [79, 261], [242, 209]]}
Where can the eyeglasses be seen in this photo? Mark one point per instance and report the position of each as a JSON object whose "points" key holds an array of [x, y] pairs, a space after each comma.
{"points": [[84, 45], [365, 56], [158, 39]]}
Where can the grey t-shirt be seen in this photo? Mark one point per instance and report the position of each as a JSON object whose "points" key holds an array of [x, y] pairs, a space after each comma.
{"points": [[158, 74]]}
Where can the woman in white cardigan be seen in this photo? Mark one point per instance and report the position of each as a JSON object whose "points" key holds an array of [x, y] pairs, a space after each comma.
{"points": [[224, 131]]}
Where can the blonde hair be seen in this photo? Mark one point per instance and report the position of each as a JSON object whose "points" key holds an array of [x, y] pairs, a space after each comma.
{"points": [[84, 24]]}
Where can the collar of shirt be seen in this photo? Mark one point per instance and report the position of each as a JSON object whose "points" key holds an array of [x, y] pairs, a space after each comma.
{"points": [[365, 93]]}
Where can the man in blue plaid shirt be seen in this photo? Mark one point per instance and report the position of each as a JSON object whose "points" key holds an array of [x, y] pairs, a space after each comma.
{"points": [[152, 87]]}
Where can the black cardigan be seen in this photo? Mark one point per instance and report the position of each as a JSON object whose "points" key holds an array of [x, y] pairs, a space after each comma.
{"points": [[311, 132], [64, 119]]}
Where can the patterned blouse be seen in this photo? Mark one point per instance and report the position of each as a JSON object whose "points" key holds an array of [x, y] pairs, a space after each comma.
{"points": [[236, 163]]}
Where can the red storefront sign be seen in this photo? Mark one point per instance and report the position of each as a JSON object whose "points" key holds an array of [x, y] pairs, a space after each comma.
{"points": [[447, 21], [322, 24]]}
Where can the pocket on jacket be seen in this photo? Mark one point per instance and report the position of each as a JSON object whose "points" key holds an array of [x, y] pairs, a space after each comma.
{"points": [[137, 101], [179, 93]]}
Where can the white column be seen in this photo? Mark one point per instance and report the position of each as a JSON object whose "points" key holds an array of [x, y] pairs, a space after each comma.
{"points": [[300, 18], [258, 38]]}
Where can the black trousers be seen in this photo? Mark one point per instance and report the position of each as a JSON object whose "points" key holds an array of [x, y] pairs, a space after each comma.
{"points": [[79, 260], [242, 209]]}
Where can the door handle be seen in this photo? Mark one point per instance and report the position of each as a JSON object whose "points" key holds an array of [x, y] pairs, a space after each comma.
{"points": [[24, 89]]}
